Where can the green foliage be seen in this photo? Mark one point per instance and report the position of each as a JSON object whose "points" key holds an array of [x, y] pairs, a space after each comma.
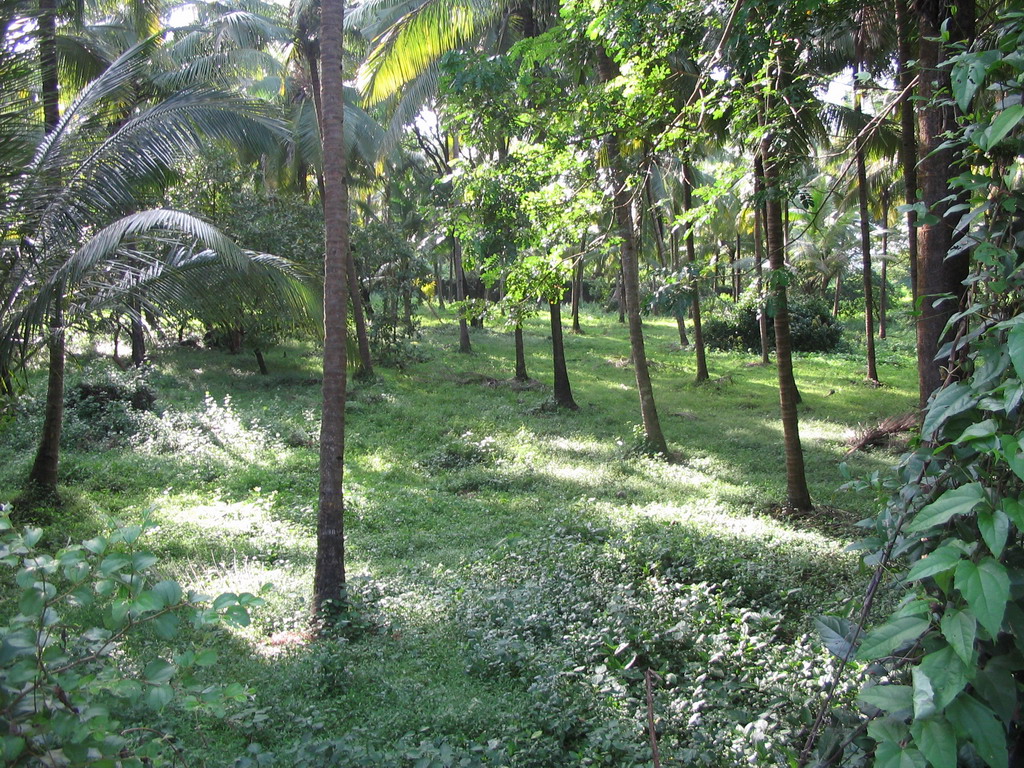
{"points": [[811, 326], [69, 687], [944, 680]]}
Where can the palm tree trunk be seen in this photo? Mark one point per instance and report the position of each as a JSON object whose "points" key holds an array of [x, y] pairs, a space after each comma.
{"points": [[329, 576], [908, 136], [562, 390], [138, 334], [460, 296], [42, 477], [938, 274], [680, 319], [797, 495], [691, 258], [883, 298]]}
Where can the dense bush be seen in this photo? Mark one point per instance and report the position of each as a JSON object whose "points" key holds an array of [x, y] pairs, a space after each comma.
{"points": [[810, 322]]}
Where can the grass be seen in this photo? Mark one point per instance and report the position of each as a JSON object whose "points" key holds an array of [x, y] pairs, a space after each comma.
{"points": [[515, 568]]}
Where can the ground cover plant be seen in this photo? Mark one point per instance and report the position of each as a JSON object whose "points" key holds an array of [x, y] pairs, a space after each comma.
{"points": [[528, 589]]}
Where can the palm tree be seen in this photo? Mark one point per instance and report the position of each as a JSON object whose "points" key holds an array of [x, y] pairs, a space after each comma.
{"points": [[329, 577], [69, 207]]}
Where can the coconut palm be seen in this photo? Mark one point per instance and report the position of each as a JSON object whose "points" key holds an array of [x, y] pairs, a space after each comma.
{"points": [[70, 207]]}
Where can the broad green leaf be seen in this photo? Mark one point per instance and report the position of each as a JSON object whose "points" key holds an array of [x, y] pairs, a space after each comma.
{"points": [[1015, 511], [206, 658], [1005, 122], [947, 674], [1012, 454], [935, 739], [995, 527], [96, 546], [148, 600], [834, 632], [942, 559], [225, 599], [924, 695], [956, 501], [968, 74], [13, 746], [237, 615], [946, 403], [890, 755], [995, 687], [979, 725], [889, 698], [32, 602], [170, 591], [158, 671], [978, 431], [986, 588], [166, 626], [143, 560], [883, 640], [1015, 344], [114, 563], [159, 696], [960, 629]]}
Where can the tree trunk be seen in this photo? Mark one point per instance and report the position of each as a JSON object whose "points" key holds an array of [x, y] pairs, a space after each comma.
{"points": [[42, 477], [521, 374], [759, 218], [938, 274], [691, 258], [577, 292], [460, 296], [908, 135], [797, 495], [137, 333], [680, 319], [562, 390], [865, 250], [622, 199], [883, 298], [620, 292], [329, 578], [836, 295]]}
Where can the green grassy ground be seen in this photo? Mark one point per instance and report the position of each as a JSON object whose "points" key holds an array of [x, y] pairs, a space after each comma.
{"points": [[516, 569]]}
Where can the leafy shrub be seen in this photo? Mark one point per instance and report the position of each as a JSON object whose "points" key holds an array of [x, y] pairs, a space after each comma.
{"points": [[810, 322], [108, 406], [66, 678], [461, 453]]}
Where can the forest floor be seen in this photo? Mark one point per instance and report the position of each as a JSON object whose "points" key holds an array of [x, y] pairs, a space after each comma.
{"points": [[516, 570]]}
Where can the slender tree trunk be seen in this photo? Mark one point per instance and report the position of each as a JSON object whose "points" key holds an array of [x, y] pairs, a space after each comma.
{"points": [[883, 298], [684, 341], [865, 250], [562, 390], [621, 293], [42, 477], [691, 257], [908, 131], [938, 273], [260, 361], [138, 334], [797, 495], [653, 435], [577, 291], [521, 374], [836, 295], [355, 294], [460, 296], [759, 218], [329, 577]]}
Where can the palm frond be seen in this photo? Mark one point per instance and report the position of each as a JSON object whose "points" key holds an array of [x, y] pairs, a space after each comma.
{"points": [[418, 39]]}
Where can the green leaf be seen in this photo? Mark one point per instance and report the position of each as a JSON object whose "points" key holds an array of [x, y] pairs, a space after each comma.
{"points": [[1015, 345], [960, 629], [1005, 122], [968, 74], [924, 695], [166, 626], [956, 501], [889, 698], [986, 588], [890, 755], [237, 615], [945, 404], [158, 671], [947, 674], [883, 640], [997, 688], [942, 559], [1015, 511], [96, 546], [114, 563], [143, 560], [170, 591], [148, 600], [159, 696], [936, 741], [995, 528], [206, 658], [13, 746], [978, 724], [978, 431]]}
